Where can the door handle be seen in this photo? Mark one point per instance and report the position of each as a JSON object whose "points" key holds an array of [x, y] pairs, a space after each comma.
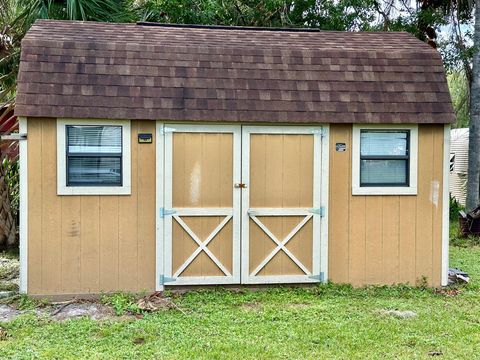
{"points": [[240, 186]]}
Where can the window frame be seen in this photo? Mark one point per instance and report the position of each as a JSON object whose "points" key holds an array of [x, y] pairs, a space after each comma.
{"points": [[62, 152], [410, 187], [387, 157]]}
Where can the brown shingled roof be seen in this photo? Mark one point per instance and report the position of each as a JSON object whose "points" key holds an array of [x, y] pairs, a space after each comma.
{"points": [[129, 71]]}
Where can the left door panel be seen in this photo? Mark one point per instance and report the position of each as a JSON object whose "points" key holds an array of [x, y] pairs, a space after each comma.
{"points": [[202, 205]]}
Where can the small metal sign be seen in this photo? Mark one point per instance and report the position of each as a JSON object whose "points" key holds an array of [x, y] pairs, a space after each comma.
{"points": [[144, 138], [340, 147]]}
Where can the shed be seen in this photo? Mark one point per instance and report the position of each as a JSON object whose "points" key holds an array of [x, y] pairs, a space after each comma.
{"points": [[162, 155], [459, 164]]}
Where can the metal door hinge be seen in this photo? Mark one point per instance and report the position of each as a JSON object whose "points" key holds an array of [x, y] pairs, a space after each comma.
{"points": [[320, 277], [318, 211], [164, 279], [166, 212]]}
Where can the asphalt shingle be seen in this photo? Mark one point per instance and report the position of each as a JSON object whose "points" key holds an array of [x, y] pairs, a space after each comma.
{"points": [[130, 71]]}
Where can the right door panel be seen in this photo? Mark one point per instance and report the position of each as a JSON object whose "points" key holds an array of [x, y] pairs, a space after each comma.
{"points": [[281, 204]]}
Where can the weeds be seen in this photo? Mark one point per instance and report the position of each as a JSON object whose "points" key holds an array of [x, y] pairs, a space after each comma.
{"points": [[455, 208], [122, 303], [25, 302]]}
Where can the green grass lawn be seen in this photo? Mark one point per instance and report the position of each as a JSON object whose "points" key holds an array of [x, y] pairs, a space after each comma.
{"points": [[321, 322]]}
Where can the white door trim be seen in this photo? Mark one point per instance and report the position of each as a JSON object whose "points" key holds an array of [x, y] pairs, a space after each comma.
{"points": [[159, 191], [323, 162], [229, 213], [320, 194]]}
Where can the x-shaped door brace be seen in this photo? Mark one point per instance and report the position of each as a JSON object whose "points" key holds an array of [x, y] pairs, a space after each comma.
{"points": [[202, 246], [281, 245]]}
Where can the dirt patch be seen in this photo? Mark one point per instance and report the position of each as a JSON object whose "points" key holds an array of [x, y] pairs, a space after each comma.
{"points": [[90, 310], [253, 306], [156, 302], [298, 306], [4, 335], [73, 310], [78, 308], [448, 291], [8, 313], [407, 314]]}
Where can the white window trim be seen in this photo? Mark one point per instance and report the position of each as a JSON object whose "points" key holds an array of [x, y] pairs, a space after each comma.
{"points": [[385, 190], [63, 189]]}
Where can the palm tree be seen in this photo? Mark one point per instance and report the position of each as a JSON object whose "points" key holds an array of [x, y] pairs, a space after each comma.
{"points": [[10, 38], [16, 17]]}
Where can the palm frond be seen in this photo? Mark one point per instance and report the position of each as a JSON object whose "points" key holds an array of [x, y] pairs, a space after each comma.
{"points": [[99, 10]]}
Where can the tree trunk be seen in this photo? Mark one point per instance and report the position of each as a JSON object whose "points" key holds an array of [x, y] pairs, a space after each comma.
{"points": [[473, 185]]}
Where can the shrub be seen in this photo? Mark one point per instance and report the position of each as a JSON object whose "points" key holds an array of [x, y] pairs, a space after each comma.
{"points": [[455, 207]]}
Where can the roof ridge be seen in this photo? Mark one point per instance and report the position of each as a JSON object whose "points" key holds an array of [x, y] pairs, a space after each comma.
{"points": [[223, 27], [259, 28]]}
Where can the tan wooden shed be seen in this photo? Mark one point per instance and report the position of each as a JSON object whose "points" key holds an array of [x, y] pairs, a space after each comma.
{"points": [[163, 155]]}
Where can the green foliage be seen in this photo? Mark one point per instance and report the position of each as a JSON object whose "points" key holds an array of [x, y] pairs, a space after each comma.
{"points": [[324, 322], [458, 240], [11, 168], [8, 286], [11, 254], [327, 321], [9, 270], [414, 22], [26, 302], [329, 15], [87, 10], [122, 303], [460, 93], [457, 48], [10, 37], [455, 208]]}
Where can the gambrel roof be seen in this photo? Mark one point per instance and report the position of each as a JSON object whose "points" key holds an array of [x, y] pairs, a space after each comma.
{"points": [[200, 73]]}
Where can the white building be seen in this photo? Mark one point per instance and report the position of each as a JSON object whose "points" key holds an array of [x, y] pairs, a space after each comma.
{"points": [[459, 164]]}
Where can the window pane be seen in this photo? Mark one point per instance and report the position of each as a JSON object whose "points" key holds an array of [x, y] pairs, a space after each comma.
{"points": [[383, 172], [377, 143], [94, 171], [94, 139]]}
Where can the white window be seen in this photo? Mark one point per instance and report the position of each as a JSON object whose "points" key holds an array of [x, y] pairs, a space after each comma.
{"points": [[384, 159], [93, 157]]}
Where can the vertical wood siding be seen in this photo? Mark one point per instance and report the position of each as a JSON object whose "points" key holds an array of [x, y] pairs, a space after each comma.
{"points": [[89, 244], [281, 176], [202, 178], [386, 239]]}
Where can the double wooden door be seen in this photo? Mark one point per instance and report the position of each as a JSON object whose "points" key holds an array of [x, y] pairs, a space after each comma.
{"points": [[241, 204]]}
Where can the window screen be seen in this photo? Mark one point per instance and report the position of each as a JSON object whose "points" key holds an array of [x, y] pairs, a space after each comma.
{"points": [[384, 158], [94, 155]]}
